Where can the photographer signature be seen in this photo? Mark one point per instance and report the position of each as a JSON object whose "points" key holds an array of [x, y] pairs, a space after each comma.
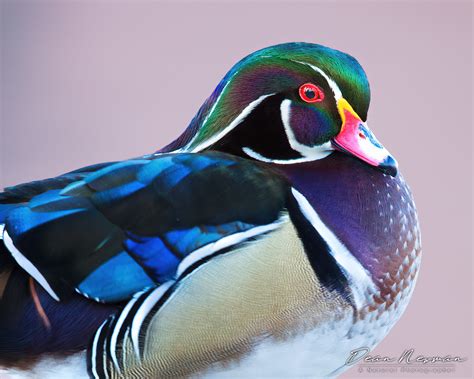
{"points": [[407, 357]]}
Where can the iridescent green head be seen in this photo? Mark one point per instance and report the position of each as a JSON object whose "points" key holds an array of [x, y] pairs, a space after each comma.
{"points": [[289, 103]]}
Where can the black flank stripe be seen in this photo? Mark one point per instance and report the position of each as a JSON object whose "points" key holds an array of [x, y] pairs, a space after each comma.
{"points": [[108, 335], [89, 358], [323, 263], [102, 371]]}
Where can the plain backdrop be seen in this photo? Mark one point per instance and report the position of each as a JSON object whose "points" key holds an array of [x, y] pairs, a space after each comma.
{"points": [[85, 82]]}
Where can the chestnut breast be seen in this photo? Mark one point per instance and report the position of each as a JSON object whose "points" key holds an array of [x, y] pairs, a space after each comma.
{"points": [[372, 214]]}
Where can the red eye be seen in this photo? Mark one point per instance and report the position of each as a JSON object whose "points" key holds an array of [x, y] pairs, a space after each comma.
{"points": [[311, 93]]}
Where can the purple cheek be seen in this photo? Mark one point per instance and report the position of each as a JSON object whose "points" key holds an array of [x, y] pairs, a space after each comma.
{"points": [[311, 126]]}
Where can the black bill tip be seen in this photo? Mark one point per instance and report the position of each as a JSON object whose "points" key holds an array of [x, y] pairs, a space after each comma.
{"points": [[389, 166]]}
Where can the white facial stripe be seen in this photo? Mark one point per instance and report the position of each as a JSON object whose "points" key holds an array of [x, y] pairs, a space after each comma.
{"points": [[332, 84], [313, 152], [309, 153], [26, 265], [216, 102], [249, 108], [208, 115], [360, 280]]}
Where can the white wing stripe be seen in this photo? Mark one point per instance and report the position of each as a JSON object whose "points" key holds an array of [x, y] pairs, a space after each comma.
{"points": [[26, 265]]}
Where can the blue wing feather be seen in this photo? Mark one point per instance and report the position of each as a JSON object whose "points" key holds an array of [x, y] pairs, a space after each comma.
{"points": [[117, 279], [128, 225], [156, 258]]}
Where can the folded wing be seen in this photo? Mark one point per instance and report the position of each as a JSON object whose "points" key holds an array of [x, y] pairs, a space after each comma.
{"points": [[139, 223]]}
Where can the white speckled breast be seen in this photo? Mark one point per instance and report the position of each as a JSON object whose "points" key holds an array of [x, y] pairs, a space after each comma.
{"points": [[375, 217]]}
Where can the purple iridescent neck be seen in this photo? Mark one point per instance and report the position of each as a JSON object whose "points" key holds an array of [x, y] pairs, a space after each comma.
{"points": [[373, 214]]}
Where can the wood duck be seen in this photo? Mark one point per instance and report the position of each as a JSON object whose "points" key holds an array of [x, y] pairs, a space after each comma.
{"points": [[274, 236]]}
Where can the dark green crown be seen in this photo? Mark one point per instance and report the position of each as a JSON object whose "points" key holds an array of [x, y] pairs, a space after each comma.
{"points": [[272, 70]]}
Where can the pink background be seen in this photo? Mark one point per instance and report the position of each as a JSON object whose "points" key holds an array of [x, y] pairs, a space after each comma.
{"points": [[86, 82]]}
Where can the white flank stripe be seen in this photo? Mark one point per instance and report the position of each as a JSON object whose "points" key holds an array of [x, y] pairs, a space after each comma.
{"points": [[225, 242], [143, 311], [359, 278], [2, 228], [249, 108], [104, 359], [94, 350], [26, 265], [124, 352], [118, 326]]}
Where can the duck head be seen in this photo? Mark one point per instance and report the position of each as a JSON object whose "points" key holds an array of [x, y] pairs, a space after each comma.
{"points": [[289, 103]]}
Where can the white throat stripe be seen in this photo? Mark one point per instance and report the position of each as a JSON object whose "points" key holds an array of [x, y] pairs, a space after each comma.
{"points": [[253, 154], [312, 152]]}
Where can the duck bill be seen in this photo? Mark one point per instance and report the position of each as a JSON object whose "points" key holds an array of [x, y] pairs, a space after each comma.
{"points": [[356, 139]]}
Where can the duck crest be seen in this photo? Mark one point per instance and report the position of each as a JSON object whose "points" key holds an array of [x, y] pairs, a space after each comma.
{"points": [[234, 97], [374, 216]]}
